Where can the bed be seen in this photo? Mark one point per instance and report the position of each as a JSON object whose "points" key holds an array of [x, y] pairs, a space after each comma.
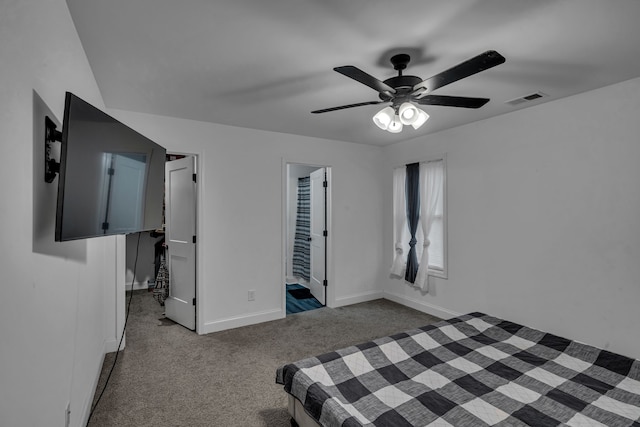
{"points": [[472, 370]]}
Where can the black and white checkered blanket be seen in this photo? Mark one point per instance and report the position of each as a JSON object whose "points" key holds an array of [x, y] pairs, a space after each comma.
{"points": [[473, 370]]}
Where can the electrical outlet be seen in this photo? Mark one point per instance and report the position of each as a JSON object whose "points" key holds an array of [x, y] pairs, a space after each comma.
{"points": [[67, 415], [251, 295]]}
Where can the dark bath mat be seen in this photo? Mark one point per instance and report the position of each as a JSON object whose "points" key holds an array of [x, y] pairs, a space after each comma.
{"points": [[300, 293]]}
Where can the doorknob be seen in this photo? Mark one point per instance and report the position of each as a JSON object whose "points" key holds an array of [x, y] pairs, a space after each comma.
{"points": [[309, 239]]}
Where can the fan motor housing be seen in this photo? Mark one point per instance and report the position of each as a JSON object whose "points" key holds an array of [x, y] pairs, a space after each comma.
{"points": [[402, 84]]}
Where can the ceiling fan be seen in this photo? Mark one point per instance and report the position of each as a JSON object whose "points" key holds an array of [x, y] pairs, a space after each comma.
{"points": [[401, 91]]}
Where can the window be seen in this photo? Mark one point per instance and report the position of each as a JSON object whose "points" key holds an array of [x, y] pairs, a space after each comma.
{"points": [[436, 237], [431, 205]]}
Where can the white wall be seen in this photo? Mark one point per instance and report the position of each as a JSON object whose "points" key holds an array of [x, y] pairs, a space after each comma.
{"points": [[54, 322], [241, 215], [544, 217]]}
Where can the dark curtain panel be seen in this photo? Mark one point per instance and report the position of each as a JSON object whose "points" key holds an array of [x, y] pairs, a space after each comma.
{"points": [[301, 246], [413, 216]]}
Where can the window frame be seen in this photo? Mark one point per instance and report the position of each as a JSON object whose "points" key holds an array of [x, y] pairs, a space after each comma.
{"points": [[442, 273]]}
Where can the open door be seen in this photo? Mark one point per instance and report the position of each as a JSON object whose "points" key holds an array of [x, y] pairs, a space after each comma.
{"points": [[318, 235], [180, 237]]}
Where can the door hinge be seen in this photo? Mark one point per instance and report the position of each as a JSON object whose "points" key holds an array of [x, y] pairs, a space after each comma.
{"points": [[324, 282], [194, 239], [105, 225], [325, 233], [193, 177], [111, 171], [325, 184], [194, 301]]}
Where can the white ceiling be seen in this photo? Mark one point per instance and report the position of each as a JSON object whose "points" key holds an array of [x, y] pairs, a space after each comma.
{"points": [[266, 64]]}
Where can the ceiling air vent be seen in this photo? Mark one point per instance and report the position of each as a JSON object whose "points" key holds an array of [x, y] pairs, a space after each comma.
{"points": [[526, 98]]}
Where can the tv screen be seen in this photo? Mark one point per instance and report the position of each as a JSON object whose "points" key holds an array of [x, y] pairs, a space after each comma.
{"points": [[111, 177]]}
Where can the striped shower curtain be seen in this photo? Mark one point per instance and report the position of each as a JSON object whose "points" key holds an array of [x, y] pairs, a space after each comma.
{"points": [[301, 245]]}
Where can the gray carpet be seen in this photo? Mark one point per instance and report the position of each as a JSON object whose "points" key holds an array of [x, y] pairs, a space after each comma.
{"points": [[170, 376]]}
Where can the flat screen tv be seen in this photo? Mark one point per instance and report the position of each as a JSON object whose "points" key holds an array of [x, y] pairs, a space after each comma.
{"points": [[111, 178]]}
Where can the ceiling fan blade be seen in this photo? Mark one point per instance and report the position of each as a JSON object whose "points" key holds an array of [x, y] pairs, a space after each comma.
{"points": [[451, 101], [342, 107], [366, 79], [472, 66]]}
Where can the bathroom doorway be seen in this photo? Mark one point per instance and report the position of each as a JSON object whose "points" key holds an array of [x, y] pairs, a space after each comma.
{"points": [[307, 237]]}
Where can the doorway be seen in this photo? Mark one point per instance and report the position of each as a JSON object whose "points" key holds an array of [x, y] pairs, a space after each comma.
{"points": [[180, 227], [307, 220], [172, 246]]}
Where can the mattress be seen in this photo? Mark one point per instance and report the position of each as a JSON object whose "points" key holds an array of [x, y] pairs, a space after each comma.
{"points": [[472, 370]]}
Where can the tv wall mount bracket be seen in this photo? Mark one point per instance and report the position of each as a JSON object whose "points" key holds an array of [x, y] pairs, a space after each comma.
{"points": [[51, 135]]}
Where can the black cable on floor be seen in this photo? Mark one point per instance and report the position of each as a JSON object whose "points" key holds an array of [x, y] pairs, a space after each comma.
{"points": [[124, 328]]}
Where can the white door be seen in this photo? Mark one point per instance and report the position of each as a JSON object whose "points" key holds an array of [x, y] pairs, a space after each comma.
{"points": [[318, 240], [180, 236]]}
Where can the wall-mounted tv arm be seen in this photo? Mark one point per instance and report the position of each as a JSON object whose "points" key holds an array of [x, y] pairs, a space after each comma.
{"points": [[51, 135]]}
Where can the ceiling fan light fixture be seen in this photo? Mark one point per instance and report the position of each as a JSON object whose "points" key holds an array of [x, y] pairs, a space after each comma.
{"points": [[421, 119], [384, 118], [408, 113], [395, 126], [405, 91]]}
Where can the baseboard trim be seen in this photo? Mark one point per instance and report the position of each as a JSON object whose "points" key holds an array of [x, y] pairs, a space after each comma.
{"points": [[422, 306], [86, 407], [358, 298], [239, 321], [136, 286], [112, 345]]}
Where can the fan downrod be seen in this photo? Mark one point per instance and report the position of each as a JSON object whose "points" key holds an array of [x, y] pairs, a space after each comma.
{"points": [[400, 62]]}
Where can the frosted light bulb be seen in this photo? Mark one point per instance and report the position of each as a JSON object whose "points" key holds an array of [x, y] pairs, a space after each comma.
{"points": [[421, 118], [383, 118], [408, 113]]}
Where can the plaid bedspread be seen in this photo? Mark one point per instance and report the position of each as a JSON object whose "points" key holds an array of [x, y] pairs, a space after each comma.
{"points": [[473, 370]]}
